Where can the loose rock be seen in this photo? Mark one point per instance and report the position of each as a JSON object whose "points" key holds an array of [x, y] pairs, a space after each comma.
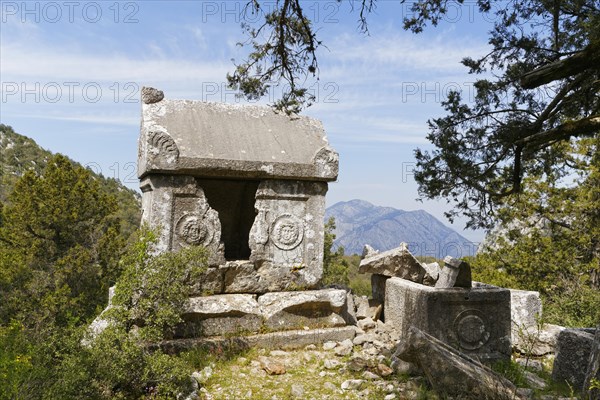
{"points": [[272, 367], [352, 384], [384, 370], [297, 390]]}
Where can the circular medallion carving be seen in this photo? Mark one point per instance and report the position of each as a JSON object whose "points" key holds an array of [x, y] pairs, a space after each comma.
{"points": [[193, 231], [287, 232], [471, 330]]}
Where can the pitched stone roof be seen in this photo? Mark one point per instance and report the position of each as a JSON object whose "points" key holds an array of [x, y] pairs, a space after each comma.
{"points": [[232, 141]]}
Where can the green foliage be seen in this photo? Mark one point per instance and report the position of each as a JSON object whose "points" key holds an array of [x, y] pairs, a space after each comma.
{"points": [[287, 53], [552, 243], [335, 267], [488, 150], [574, 305], [64, 362], [117, 366], [15, 359], [61, 247], [57, 230], [21, 154], [359, 283], [147, 305], [153, 289]]}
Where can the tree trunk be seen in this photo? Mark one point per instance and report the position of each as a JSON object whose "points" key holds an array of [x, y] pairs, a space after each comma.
{"points": [[588, 58]]}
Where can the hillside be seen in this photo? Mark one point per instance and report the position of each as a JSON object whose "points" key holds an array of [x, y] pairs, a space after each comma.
{"points": [[19, 154], [359, 222]]}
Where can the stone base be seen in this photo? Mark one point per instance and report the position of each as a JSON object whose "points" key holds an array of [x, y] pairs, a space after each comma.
{"points": [[475, 321], [243, 314], [251, 277], [288, 340]]}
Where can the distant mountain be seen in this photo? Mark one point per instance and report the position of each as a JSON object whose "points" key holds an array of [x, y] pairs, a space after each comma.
{"points": [[19, 154], [359, 222]]}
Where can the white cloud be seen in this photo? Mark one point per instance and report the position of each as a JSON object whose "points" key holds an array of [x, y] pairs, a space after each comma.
{"points": [[22, 63]]}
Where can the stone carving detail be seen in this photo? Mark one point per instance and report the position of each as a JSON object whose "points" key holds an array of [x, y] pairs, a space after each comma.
{"points": [[471, 330], [327, 162], [163, 143], [287, 232], [151, 95], [192, 230]]}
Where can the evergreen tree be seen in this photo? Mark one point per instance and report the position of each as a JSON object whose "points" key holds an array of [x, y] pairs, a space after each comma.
{"points": [[59, 245], [335, 267]]}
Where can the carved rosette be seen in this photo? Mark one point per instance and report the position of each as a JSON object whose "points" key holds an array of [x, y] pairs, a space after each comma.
{"points": [[287, 232], [193, 230], [471, 329], [326, 161], [162, 144]]}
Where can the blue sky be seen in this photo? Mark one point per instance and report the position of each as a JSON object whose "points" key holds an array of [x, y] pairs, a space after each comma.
{"points": [[71, 73]]}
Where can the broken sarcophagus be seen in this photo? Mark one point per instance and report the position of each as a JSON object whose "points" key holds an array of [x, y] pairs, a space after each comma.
{"points": [[249, 185], [244, 181]]}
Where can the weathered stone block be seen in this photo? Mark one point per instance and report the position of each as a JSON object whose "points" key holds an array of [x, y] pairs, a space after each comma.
{"points": [[210, 282], [314, 309], [573, 351], [526, 312], [432, 273], [177, 205], [456, 273], [220, 314], [398, 262], [593, 369], [288, 231], [369, 308], [475, 321], [295, 339], [239, 313]]}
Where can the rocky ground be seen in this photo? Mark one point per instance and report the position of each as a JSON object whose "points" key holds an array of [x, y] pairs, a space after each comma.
{"points": [[364, 368]]}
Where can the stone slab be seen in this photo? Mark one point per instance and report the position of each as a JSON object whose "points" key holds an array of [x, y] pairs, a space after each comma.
{"points": [[247, 313], [456, 273], [293, 339], [285, 239], [315, 308], [432, 273], [228, 140], [526, 314], [573, 351], [475, 321], [593, 369], [398, 262]]}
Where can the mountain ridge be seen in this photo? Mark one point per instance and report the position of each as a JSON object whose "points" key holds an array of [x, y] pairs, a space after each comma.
{"points": [[359, 222], [19, 154]]}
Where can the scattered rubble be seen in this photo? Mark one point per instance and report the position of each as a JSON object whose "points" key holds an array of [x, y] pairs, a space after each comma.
{"points": [[400, 263]]}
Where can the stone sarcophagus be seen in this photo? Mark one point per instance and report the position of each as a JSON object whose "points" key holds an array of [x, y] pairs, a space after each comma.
{"points": [[476, 321], [246, 182]]}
